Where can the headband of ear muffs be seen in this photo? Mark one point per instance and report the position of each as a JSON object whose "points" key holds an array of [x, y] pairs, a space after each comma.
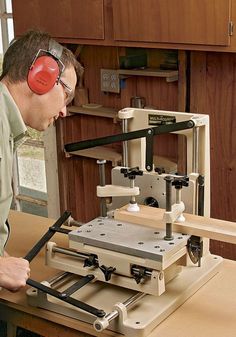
{"points": [[46, 69]]}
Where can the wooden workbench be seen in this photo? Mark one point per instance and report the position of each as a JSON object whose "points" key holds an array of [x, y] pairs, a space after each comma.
{"points": [[209, 312]]}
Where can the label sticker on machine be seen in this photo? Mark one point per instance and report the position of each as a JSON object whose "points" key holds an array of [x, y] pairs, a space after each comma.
{"points": [[160, 119]]}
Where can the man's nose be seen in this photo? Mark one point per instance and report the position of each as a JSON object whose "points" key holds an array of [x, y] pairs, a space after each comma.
{"points": [[63, 112]]}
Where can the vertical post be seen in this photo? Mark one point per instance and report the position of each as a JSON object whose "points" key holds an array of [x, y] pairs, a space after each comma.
{"points": [[195, 163], [125, 143], [183, 97], [102, 182], [168, 180]]}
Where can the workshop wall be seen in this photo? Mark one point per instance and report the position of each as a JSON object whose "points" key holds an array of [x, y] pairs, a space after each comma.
{"points": [[213, 87]]}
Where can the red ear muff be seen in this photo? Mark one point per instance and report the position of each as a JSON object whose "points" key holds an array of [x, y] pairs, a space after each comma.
{"points": [[43, 74]]}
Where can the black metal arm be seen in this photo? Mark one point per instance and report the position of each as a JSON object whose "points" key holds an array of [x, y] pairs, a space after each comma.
{"points": [[65, 296], [143, 133]]}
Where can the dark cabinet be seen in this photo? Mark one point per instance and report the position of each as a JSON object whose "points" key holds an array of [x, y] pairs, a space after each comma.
{"points": [[204, 22], [76, 19]]}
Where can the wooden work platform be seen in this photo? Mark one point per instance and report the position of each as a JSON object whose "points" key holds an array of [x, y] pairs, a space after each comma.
{"points": [[209, 312]]}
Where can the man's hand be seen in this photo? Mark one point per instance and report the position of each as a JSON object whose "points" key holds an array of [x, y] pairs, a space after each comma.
{"points": [[13, 272]]}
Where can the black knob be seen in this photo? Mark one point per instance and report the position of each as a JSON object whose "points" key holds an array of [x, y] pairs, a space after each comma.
{"points": [[107, 271], [152, 202], [131, 173], [180, 182], [91, 261], [159, 170]]}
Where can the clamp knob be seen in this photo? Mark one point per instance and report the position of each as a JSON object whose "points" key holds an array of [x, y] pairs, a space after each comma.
{"points": [[131, 173], [107, 271], [180, 182]]}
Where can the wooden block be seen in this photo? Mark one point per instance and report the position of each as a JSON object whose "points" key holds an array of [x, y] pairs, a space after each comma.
{"points": [[194, 225]]}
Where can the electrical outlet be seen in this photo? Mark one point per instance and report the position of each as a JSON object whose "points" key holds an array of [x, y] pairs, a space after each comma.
{"points": [[110, 81]]}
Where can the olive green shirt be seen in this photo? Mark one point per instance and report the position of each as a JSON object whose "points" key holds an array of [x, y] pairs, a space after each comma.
{"points": [[12, 131]]}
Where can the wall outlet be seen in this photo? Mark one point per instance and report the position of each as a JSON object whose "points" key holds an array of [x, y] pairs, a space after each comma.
{"points": [[110, 81]]}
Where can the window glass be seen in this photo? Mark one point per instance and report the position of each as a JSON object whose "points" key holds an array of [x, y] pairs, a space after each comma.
{"points": [[10, 29], [8, 6]]}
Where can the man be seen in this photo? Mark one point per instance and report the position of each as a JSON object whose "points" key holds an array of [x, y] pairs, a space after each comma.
{"points": [[37, 82]]}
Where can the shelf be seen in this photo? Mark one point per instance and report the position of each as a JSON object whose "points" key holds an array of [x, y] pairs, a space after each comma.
{"points": [[100, 112], [170, 75], [100, 152]]}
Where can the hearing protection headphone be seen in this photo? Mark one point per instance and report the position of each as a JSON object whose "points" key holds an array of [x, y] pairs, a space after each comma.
{"points": [[46, 69]]}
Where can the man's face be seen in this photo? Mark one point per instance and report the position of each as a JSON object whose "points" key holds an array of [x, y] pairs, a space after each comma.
{"points": [[48, 107]]}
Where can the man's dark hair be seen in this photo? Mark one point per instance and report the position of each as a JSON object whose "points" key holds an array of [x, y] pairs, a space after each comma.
{"points": [[21, 53]]}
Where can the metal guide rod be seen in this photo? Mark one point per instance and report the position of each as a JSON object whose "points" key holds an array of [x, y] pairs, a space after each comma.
{"points": [[201, 181], [69, 252], [71, 300], [112, 315], [76, 286], [168, 180], [57, 278], [125, 143], [83, 256], [102, 181], [195, 163]]}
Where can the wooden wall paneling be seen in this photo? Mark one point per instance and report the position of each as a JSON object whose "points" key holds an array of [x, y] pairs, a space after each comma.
{"points": [[90, 181], [63, 184], [93, 59], [198, 82], [67, 168], [75, 192], [182, 106], [130, 90], [163, 96], [212, 91]]}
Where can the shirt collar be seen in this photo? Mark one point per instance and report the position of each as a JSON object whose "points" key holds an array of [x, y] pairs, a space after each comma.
{"points": [[17, 125]]}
